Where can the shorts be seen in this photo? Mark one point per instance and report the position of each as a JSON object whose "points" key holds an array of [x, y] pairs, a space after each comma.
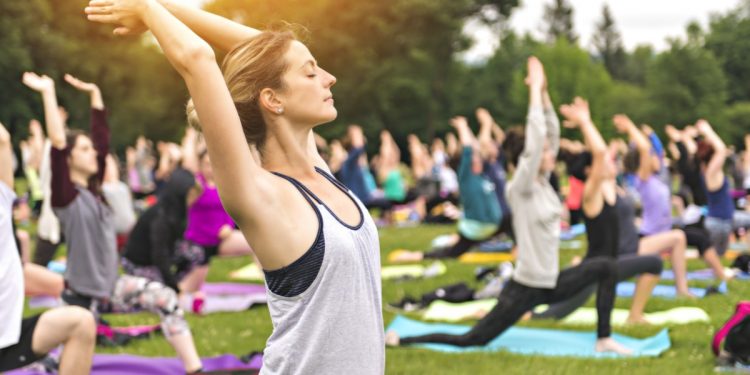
{"points": [[21, 354]]}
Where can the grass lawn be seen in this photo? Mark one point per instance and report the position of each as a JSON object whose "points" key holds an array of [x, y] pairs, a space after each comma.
{"points": [[240, 333]]}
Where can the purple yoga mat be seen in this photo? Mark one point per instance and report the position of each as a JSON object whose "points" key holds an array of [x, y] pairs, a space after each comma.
{"points": [[123, 364], [232, 288], [44, 302]]}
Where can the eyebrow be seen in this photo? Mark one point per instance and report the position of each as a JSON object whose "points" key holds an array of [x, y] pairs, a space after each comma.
{"points": [[311, 62]]}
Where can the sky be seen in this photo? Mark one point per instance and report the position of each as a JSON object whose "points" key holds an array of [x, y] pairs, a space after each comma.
{"points": [[639, 21]]}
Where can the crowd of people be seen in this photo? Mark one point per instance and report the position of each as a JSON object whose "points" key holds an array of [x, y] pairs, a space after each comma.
{"points": [[250, 169]]}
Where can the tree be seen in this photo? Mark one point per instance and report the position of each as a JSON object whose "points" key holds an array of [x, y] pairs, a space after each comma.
{"points": [[608, 44], [559, 19], [686, 83], [729, 39]]}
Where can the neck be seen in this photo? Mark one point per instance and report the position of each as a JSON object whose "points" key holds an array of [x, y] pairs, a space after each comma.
{"points": [[79, 179], [286, 150]]}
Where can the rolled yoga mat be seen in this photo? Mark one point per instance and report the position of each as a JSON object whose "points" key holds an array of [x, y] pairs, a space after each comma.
{"points": [[250, 272], [534, 341], [124, 364]]}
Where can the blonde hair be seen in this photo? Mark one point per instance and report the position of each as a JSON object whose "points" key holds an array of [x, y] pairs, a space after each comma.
{"points": [[252, 66]]}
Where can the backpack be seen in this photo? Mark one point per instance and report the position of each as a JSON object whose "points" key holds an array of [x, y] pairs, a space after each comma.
{"points": [[736, 335]]}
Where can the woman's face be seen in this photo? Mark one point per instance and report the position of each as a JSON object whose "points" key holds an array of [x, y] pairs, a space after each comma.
{"points": [[83, 157], [307, 96]]}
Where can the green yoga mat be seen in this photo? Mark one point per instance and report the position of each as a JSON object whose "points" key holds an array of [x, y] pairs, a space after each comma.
{"points": [[676, 316], [414, 271], [456, 312]]}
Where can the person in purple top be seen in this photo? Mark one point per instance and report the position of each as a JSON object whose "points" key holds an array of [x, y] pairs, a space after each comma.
{"points": [[656, 205]]}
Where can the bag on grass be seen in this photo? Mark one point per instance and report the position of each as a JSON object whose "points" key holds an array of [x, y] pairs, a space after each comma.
{"points": [[736, 335]]}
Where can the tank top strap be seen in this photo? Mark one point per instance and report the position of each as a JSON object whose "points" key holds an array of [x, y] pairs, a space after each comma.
{"points": [[309, 195], [332, 179]]}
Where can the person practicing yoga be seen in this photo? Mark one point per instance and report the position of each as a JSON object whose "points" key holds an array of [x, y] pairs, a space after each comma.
{"points": [[609, 216], [257, 120], [537, 209], [91, 277], [26, 340], [656, 206], [482, 213]]}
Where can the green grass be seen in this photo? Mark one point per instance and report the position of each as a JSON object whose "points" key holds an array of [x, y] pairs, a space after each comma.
{"points": [[242, 332]]}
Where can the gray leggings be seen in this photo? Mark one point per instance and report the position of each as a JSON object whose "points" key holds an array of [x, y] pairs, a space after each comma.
{"points": [[627, 267]]}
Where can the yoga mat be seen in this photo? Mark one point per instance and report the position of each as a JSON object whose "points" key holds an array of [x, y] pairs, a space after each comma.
{"points": [[44, 302], [676, 316], [232, 288], [251, 272], [495, 246], [456, 312], [412, 271], [705, 274], [481, 258], [573, 232], [627, 289], [124, 364], [534, 341]]}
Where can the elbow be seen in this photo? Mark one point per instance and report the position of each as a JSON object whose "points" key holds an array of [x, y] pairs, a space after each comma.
{"points": [[192, 57]]}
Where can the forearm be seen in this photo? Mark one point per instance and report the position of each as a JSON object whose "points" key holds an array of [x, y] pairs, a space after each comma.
{"points": [[185, 50], [216, 30], [55, 129], [96, 99], [465, 135], [639, 139], [593, 138]]}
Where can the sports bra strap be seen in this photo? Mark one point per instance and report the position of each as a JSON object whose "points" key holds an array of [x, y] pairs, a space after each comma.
{"points": [[309, 196]]}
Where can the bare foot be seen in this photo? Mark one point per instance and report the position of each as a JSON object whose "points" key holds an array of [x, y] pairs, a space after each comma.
{"points": [[392, 339], [609, 345], [526, 316], [479, 314]]}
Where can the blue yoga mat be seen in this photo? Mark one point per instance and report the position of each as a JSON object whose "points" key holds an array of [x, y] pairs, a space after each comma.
{"points": [[702, 275], [627, 289], [534, 341], [573, 232]]}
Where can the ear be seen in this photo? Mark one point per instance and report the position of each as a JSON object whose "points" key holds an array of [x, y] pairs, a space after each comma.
{"points": [[270, 100]]}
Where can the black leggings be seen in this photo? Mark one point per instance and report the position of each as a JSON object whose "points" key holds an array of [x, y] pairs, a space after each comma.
{"points": [[516, 299], [464, 244], [627, 267], [45, 251]]}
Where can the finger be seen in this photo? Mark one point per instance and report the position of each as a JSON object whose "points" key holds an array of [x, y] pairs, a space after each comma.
{"points": [[98, 10], [105, 18], [99, 3], [122, 31]]}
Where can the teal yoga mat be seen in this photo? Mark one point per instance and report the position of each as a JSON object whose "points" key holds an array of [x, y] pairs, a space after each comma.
{"points": [[534, 341]]}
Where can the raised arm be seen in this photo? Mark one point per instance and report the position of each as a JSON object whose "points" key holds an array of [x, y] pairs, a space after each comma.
{"points": [[46, 86], [643, 145], [216, 30], [551, 120], [190, 150], [98, 122], [6, 158], [714, 170], [577, 115], [465, 136], [536, 130], [487, 146]]}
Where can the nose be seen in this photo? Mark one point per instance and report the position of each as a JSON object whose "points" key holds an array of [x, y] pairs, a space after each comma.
{"points": [[331, 79]]}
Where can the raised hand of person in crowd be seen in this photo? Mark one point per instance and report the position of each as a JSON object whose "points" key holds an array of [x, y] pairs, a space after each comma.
{"points": [[459, 122], [703, 127], [484, 117], [647, 129], [126, 14], [576, 113], [81, 85], [91, 88], [356, 136], [622, 123], [38, 83], [130, 157], [673, 134], [535, 77]]}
